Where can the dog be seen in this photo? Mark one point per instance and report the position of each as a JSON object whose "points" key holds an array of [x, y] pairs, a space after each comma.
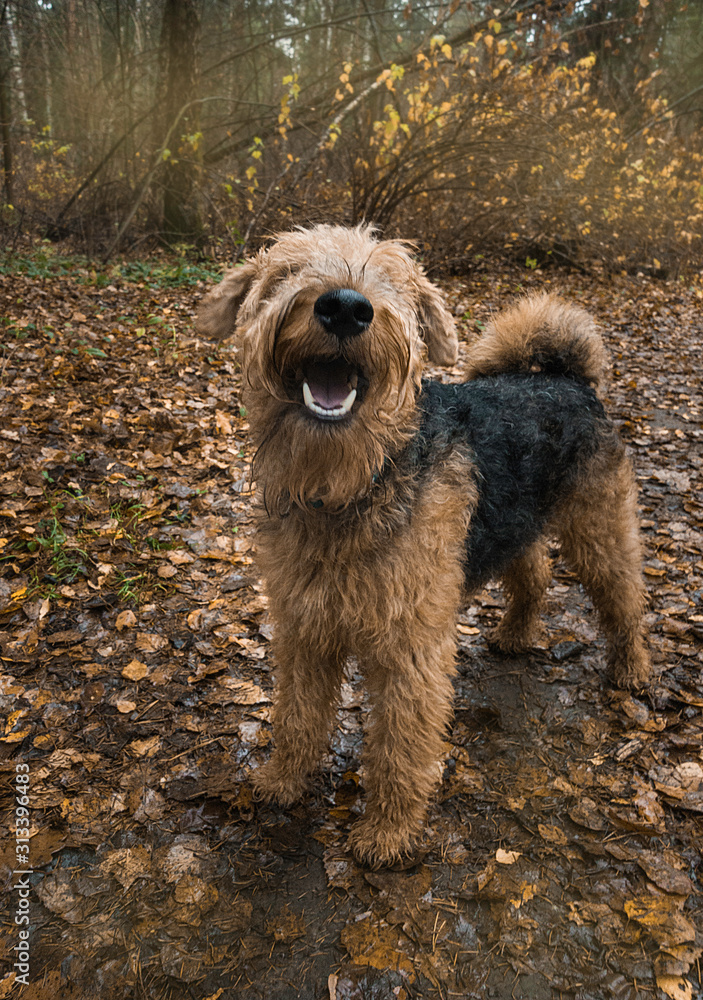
{"points": [[386, 500]]}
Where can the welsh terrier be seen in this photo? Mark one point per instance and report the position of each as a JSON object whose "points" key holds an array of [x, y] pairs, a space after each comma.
{"points": [[386, 500]]}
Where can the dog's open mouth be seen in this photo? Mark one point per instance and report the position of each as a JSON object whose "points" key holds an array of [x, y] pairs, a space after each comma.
{"points": [[330, 388]]}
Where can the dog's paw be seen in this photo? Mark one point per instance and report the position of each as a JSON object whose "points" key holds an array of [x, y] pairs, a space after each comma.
{"points": [[274, 784], [508, 641], [374, 844], [631, 670]]}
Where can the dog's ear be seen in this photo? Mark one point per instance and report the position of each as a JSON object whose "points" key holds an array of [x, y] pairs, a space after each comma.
{"points": [[437, 327], [217, 315]]}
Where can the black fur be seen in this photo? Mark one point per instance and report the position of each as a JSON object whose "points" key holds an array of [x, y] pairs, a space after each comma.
{"points": [[528, 436]]}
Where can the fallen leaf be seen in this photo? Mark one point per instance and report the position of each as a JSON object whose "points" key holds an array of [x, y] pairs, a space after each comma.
{"points": [[675, 987], [135, 670], [148, 642], [662, 918], [586, 813], [554, 834], [507, 857], [126, 619], [243, 692], [127, 864], [145, 748], [663, 874], [194, 891], [372, 942]]}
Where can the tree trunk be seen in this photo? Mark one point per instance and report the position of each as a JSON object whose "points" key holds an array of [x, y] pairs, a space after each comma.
{"points": [[6, 143], [181, 214], [5, 111]]}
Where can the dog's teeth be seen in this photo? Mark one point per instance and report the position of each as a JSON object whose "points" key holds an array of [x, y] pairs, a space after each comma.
{"points": [[321, 411], [348, 402]]}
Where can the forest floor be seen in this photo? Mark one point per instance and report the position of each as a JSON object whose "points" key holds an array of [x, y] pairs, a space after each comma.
{"points": [[564, 842]]}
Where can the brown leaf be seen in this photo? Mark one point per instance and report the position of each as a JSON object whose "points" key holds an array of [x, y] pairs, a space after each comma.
{"points": [[135, 670], [662, 918], [586, 813], [554, 834], [126, 619], [148, 642], [372, 942], [660, 872], [127, 864], [194, 891]]}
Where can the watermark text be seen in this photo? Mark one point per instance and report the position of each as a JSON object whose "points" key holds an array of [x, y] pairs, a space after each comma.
{"points": [[21, 874]]}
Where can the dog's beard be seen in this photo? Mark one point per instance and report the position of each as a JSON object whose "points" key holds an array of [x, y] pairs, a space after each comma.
{"points": [[329, 459]]}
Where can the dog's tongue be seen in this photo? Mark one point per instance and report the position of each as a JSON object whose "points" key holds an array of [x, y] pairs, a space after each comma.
{"points": [[329, 383]]}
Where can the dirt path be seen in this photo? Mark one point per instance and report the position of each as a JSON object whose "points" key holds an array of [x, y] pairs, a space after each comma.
{"points": [[564, 843]]}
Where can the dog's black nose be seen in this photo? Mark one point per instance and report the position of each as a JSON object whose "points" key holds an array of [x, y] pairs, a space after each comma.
{"points": [[344, 312]]}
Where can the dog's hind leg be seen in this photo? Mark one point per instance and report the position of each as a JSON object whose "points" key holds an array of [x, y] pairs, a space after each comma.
{"points": [[599, 535], [307, 691], [525, 582]]}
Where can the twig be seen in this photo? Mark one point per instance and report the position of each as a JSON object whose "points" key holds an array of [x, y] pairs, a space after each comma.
{"points": [[94, 173], [148, 177]]}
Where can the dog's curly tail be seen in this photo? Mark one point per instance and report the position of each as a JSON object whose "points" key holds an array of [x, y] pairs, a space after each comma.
{"points": [[544, 333]]}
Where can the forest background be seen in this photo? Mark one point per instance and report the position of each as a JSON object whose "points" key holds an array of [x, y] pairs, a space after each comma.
{"points": [[565, 130]]}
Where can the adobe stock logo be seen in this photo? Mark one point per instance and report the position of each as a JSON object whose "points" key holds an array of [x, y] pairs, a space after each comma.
{"points": [[21, 884]]}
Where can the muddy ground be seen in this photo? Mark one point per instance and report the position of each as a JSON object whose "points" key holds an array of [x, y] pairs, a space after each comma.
{"points": [[563, 845]]}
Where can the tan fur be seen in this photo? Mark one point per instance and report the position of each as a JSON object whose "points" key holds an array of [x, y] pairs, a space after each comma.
{"points": [[524, 336], [599, 535], [359, 560]]}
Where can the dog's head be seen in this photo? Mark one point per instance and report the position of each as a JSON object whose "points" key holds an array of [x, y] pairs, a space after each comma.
{"points": [[332, 323]]}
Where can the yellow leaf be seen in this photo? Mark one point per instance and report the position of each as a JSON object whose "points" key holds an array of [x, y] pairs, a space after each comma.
{"points": [[527, 891], [371, 942], [675, 987], [16, 737], [135, 670], [14, 717]]}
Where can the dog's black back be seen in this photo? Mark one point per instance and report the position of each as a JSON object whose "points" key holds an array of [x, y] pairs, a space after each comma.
{"points": [[529, 436]]}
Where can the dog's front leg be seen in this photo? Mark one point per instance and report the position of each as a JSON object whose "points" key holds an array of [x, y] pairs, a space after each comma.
{"points": [[308, 682], [412, 699]]}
